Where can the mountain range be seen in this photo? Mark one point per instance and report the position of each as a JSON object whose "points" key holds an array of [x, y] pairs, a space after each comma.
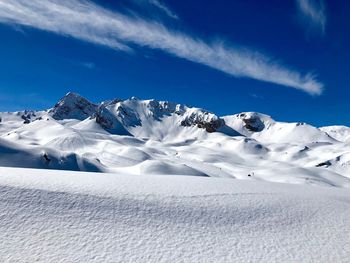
{"points": [[144, 137]]}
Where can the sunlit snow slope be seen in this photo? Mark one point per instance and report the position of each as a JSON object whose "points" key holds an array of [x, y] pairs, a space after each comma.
{"points": [[62, 216], [149, 137]]}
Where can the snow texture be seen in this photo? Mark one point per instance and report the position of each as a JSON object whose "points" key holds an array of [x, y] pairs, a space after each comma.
{"points": [[62, 216]]}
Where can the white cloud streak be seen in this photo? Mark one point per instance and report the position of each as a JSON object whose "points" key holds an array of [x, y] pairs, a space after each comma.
{"points": [[164, 8], [314, 12], [87, 21], [87, 65]]}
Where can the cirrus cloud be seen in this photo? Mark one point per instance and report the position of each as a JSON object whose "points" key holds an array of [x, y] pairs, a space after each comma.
{"points": [[164, 8], [314, 13], [87, 21]]}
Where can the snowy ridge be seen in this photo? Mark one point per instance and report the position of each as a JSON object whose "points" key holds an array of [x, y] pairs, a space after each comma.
{"points": [[341, 133], [263, 128], [153, 119], [137, 137]]}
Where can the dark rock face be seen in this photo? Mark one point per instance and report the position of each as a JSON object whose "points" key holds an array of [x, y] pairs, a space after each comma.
{"points": [[200, 118], [73, 106], [160, 109], [28, 116], [324, 164], [110, 121], [108, 118], [111, 112], [252, 122], [104, 119], [203, 120], [128, 116]]}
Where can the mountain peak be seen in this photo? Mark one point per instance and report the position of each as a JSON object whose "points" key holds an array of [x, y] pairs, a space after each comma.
{"points": [[73, 106]]}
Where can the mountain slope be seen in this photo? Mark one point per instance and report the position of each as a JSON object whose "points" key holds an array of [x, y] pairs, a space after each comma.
{"points": [[155, 119], [263, 128], [137, 137], [341, 133]]}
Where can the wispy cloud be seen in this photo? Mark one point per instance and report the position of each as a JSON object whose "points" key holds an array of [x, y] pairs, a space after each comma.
{"points": [[164, 8], [87, 65], [87, 21], [314, 13]]}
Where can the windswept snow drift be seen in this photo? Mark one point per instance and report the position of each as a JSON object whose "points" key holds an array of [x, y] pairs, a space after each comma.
{"points": [[61, 216], [145, 137]]}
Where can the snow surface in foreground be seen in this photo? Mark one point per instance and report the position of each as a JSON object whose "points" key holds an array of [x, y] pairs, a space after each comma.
{"points": [[61, 216]]}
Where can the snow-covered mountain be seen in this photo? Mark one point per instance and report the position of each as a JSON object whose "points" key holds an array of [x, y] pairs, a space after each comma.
{"points": [[141, 137]]}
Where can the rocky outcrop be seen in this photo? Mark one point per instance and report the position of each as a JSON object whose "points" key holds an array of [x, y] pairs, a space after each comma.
{"points": [[109, 120], [73, 106], [28, 116], [252, 122], [203, 120]]}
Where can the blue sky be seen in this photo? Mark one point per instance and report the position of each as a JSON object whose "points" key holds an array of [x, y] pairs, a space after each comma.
{"points": [[288, 59]]}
